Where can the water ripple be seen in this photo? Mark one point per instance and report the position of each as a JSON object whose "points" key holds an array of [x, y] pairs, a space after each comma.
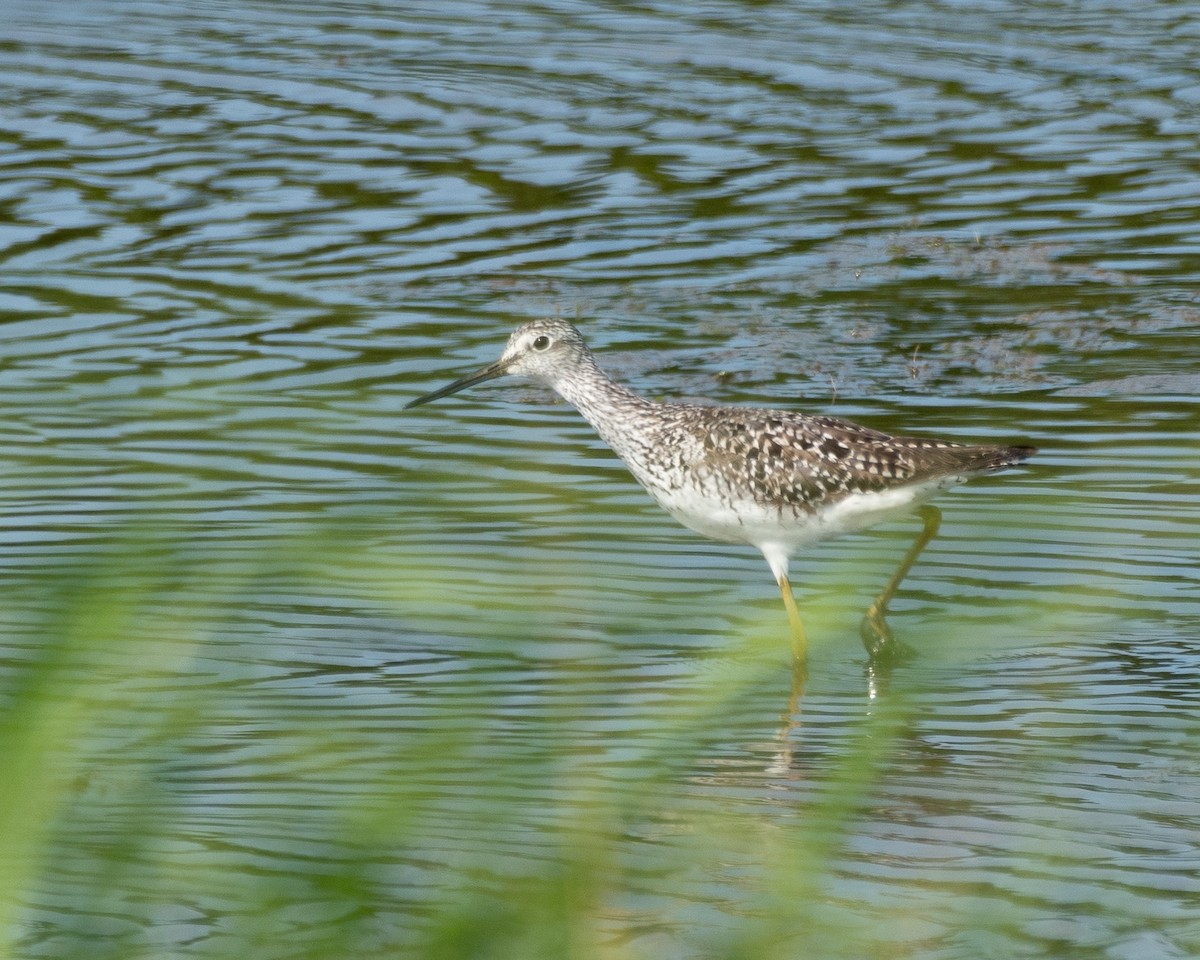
{"points": [[237, 239]]}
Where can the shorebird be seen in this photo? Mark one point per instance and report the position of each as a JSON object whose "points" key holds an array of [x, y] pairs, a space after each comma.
{"points": [[775, 479]]}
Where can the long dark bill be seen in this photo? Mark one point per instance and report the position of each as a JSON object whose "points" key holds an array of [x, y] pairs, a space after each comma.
{"points": [[490, 372]]}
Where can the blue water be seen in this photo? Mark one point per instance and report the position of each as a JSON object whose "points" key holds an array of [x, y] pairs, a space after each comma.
{"points": [[238, 238]]}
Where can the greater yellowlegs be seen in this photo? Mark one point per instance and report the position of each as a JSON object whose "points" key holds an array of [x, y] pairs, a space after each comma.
{"points": [[778, 480]]}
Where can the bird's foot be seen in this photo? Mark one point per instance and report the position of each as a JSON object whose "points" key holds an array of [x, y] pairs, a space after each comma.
{"points": [[883, 649]]}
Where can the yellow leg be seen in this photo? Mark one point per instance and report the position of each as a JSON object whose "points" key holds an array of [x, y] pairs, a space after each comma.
{"points": [[876, 634], [799, 637], [791, 717]]}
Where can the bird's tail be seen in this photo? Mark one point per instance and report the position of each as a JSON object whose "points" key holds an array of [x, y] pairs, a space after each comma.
{"points": [[988, 459]]}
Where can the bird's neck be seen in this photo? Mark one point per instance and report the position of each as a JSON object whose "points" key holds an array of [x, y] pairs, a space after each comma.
{"points": [[604, 403]]}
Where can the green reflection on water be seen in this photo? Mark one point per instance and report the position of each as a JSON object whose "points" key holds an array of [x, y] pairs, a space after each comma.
{"points": [[164, 794], [198, 769]]}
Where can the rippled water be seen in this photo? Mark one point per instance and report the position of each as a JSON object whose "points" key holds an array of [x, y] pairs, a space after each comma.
{"points": [[237, 238]]}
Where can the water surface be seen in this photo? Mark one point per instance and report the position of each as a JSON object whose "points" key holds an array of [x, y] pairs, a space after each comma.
{"points": [[360, 664]]}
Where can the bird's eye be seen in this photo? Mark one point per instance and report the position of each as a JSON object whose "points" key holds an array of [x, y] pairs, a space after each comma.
{"points": [[541, 343]]}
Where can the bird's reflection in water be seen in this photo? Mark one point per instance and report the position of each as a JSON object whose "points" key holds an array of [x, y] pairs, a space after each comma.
{"points": [[884, 651]]}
